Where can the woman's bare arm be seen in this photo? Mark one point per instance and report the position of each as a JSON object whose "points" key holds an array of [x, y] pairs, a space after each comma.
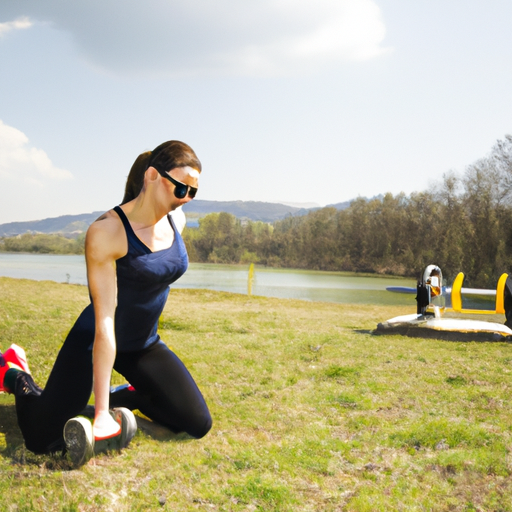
{"points": [[105, 242]]}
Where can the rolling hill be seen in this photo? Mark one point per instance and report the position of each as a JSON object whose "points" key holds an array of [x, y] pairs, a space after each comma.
{"points": [[72, 225]]}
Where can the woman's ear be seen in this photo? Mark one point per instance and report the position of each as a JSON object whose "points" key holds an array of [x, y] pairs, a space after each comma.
{"points": [[151, 174]]}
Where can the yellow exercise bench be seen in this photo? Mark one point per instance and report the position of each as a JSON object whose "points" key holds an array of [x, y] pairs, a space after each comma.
{"points": [[457, 290]]}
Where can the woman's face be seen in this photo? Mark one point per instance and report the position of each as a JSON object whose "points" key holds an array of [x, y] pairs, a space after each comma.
{"points": [[187, 176]]}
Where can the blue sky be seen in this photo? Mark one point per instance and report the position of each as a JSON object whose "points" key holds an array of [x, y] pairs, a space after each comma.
{"points": [[303, 101]]}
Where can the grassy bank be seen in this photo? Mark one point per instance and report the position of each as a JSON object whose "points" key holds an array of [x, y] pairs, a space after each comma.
{"points": [[311, 412]]}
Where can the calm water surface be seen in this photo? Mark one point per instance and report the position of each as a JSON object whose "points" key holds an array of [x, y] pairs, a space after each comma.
{"points": [[295, 284]]}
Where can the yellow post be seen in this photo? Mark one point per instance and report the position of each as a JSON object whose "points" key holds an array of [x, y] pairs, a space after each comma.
{"points": [[456, 293], [500, 291], [250, 279]]}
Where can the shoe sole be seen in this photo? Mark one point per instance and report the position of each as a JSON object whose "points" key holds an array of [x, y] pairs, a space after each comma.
{"points": [[79, 440]]}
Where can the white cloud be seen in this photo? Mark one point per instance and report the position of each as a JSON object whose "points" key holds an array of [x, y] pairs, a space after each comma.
{"points": [[330, 32], [186, 37], [17, 24], [19, 160]]}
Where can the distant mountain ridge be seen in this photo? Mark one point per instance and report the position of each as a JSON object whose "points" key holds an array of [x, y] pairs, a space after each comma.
{"points": [[70, 225], [65, 224], [251, 210]]}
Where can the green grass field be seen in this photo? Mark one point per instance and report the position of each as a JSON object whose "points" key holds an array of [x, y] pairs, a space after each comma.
{"points": [[311, 412]]}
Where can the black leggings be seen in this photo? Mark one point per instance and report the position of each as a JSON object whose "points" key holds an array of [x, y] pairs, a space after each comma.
{"points": [[164, 391]]}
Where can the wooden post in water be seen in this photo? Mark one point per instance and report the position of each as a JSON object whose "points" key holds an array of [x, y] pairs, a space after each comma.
{"points": [[250, 279]]}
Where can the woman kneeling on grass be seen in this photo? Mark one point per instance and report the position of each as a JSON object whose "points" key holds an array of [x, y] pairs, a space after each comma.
{"points": [[133, 253]]}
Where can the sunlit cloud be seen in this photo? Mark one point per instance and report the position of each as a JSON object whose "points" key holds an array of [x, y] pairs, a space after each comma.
{"points": [[332, 32], [19, 160], [17, 24]]}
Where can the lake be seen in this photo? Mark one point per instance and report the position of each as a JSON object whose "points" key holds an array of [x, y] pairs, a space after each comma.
{"points": [[269, 282]]}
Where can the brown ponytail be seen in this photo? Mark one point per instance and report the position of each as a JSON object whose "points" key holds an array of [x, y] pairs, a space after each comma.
{"points": [[168, 156], [135, 180]]}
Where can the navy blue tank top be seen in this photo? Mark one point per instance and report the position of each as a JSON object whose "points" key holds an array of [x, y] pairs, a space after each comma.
{"points": [[143, 279]]}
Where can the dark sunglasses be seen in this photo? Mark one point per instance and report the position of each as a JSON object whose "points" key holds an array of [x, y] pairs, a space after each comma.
{"points": [[180, 190]]}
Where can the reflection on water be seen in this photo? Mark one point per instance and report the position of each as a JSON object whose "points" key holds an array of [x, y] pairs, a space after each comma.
{"points": [[297, 284], [305, 285]]}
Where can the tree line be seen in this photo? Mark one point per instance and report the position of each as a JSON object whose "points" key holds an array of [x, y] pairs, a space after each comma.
{"points": [[462, 224], [43, 244]]}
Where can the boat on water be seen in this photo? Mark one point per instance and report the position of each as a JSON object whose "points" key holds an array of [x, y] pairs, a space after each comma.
{"points": [[440, 310]]}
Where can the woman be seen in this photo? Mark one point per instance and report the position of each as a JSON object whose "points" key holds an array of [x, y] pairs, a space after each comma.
{"points": [[133, 253]]}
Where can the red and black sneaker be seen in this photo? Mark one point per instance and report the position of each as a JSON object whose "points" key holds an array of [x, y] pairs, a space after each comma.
{"points": [[13, 357]]}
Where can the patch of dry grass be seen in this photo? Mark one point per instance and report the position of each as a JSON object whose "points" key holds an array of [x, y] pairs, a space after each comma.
{"points": [[311, 412]]}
